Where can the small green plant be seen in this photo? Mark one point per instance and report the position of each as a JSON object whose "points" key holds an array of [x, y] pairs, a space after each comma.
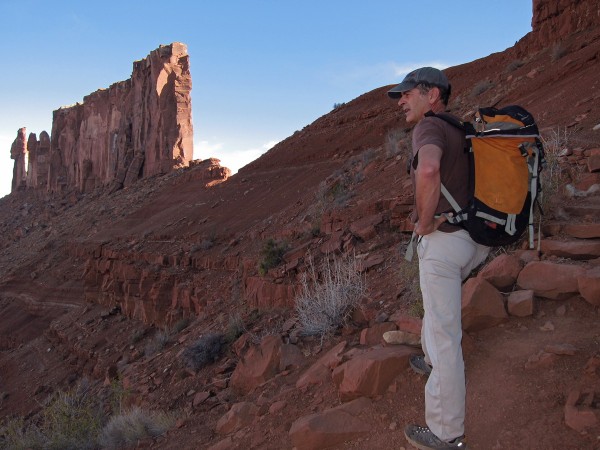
{"points": [[126, 429], [328, 295], [272, 255], [206, 350]]}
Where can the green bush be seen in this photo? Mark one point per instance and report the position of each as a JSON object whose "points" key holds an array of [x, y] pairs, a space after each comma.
{"points": [[272, 255]]}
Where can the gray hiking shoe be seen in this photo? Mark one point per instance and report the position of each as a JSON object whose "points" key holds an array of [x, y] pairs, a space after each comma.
{"points": [[418, 364], [424, 439]]}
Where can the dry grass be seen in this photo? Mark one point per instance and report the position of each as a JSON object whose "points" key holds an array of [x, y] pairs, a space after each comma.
{"points": [[328, 295], [128, 428]]}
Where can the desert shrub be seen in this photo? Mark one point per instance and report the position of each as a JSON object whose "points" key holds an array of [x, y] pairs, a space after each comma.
{"points": [[558, 51], [157, 343], [137, 335], [272, 255], [337, 105], [180, 325], [481, 87], [394, 142], [328, 295], [126, 429], [235, 328], [206, 350], [553, 176], [70, 420], [408, 272], [514, 65]]}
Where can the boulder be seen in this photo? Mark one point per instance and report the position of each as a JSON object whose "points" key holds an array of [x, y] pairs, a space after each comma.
{"points": [[239, 416], [370, 373], [320, 371], [258, 365], [573, 249], [550, 280], [407, 323], [502, 271], [588, 284], [373, 335], [579, 415], [482, 305], [331, 427], [520, 303]]}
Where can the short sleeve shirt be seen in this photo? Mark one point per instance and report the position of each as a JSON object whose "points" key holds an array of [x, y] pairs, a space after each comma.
{"points": [[454, 165]]}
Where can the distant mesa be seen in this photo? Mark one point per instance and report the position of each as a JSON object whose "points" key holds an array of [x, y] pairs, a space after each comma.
{"points": [[134, 129]]}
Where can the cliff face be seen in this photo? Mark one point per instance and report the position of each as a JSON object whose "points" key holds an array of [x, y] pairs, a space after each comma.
{"points": [[553, 20], [134, 129]]}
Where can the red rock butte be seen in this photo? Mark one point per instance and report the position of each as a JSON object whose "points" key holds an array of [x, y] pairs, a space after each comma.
{"points": [[135, 129]]}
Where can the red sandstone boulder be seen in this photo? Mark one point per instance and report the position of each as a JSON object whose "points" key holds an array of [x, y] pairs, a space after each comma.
{"points": [[520, 303], [258, 365], [584, 249], [550, 280], [578, 414], [371, 373], [582, 230], [365, 228], [482, 305], [374, 335], [589, 285], [239, 416], [331, 427], [502, 271], [320, 371], [407, 323]]}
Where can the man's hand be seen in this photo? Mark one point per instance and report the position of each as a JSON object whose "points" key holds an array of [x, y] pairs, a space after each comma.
{"points": [[423, 229]]}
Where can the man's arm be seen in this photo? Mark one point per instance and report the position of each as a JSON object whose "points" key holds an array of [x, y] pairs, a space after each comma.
{"points": [[427, 187]]}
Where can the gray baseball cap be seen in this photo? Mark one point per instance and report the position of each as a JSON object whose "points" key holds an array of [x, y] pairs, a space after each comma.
{"points": [[429, 75]]}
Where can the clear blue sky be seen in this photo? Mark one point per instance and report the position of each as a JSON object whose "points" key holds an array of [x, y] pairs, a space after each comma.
{"points": [[260, 69]]}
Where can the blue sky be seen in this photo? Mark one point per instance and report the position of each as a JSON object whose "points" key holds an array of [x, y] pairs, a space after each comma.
{"points": [[261, 69]]}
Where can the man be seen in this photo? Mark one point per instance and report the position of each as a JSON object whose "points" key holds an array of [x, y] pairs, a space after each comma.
{"points": [[446, 255]]}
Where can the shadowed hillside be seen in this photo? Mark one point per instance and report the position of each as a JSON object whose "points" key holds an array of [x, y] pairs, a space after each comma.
{"points": [[113, 287]]}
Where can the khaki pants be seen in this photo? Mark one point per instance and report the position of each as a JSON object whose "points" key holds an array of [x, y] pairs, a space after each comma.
{"points": [[445, 259]]}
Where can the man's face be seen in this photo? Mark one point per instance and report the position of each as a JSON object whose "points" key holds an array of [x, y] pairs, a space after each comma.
{"points": [[414, 104]]}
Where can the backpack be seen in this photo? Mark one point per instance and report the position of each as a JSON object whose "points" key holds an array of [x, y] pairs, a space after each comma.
{"points": [[506, 157]]}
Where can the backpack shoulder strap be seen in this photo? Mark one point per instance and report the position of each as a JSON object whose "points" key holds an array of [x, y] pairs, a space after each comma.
{"points": [[466, 127]]}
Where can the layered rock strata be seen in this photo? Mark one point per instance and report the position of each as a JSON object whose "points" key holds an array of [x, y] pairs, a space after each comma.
{"points": [[134, 129]]}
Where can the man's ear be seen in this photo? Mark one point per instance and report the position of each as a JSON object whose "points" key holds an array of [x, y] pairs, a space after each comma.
{"points": [[433, 95]]}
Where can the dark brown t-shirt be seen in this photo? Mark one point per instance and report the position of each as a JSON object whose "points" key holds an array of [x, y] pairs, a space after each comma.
{"points": [[454, 166]]}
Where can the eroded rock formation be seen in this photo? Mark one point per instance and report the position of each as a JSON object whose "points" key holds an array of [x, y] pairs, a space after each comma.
{"points": [[134, 129], [558, 19], [18, 152]]}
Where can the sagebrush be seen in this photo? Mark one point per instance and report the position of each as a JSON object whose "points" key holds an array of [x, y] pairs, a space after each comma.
{"points": [[205, 350], [126, 429], [328, 294]]}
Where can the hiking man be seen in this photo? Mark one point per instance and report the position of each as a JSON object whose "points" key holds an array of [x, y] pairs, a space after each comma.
{"points": [[446, 255]]}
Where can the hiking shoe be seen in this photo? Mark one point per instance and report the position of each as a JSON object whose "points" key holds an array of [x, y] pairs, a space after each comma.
{"points": [[424, 439], [418, 364]]}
